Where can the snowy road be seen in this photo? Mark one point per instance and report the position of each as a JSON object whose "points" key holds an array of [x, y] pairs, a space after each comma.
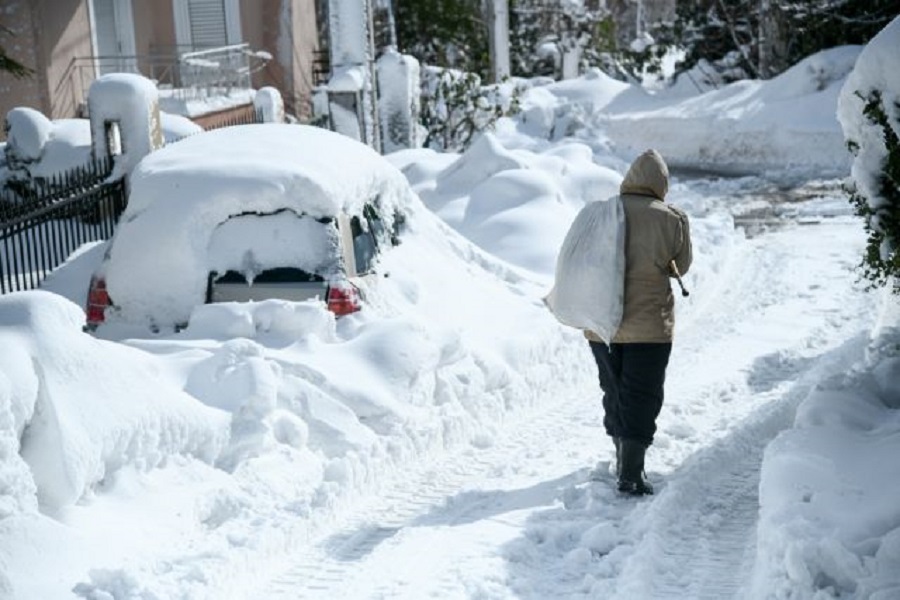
{"points": [[523, 518]]}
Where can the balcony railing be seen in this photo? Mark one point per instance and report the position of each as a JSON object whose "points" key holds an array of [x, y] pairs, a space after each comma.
{"points": [[184, 76]]}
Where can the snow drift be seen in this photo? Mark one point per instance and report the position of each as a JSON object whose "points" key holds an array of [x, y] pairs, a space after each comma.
{"points": [[84, 407]]}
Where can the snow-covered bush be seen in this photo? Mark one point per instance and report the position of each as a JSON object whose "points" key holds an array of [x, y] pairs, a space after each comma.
{"points": [[542, 32], [455, 106], [869, 112], [39, 152], [730, 40]]}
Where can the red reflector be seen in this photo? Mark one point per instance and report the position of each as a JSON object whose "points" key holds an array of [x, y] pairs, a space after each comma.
{"points": [[343, 299], [97, 301]]}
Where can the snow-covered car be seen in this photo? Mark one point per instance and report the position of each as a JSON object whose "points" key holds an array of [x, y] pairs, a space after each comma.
{"points": [[248, 213]]}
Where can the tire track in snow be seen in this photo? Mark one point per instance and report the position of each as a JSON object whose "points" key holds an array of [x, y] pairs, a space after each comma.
{"points": [[701, 533], [699, 537], [330, 567]]}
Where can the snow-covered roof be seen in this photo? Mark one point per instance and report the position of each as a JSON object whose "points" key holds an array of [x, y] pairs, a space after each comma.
{"points": [[181, 194]]}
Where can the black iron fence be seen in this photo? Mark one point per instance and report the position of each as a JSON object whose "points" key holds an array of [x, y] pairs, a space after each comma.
{"points": [[42, 221]]}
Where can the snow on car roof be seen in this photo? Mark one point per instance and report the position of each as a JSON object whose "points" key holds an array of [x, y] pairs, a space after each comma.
{"points": [[264, 168], [180, 195]]}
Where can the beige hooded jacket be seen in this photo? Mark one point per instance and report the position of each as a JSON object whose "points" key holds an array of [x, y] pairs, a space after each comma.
{"points": [[655, 234]]}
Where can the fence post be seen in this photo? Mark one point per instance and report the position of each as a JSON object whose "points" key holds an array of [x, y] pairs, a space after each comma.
{"points": [[132, 103]]}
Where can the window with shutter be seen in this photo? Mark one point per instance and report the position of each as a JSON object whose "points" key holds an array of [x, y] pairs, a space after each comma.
{"points": [[202, 24], [207, 18]]}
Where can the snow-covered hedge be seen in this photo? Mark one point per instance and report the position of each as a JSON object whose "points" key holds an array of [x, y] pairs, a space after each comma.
{"points": [[869, 112]]}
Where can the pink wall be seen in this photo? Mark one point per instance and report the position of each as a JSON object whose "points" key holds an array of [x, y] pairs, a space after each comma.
{"points": [[286, 29]]}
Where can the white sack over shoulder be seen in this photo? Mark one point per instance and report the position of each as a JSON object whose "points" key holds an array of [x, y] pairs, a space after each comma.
{"points": [[589, 286]]}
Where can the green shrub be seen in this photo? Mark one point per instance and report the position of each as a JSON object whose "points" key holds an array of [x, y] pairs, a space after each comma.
{"points": [[881, 213]]}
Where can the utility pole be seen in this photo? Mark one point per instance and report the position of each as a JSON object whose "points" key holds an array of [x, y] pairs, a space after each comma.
{"points": [[497, 13], [764, 44]]}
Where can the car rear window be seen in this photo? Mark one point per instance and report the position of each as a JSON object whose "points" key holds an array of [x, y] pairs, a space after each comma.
{"points": [[276, 275], [279, 245]]}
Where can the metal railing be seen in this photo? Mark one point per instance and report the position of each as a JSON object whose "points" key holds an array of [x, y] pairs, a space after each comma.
{"points": [[215, 70], [42, 222], [181, 75]]}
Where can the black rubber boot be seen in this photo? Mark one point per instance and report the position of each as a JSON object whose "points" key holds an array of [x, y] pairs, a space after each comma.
{"points": [[618, 442], [631, 471]]}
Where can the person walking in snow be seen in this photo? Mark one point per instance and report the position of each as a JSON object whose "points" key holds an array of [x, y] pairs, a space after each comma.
{"points": [[632, 367]]}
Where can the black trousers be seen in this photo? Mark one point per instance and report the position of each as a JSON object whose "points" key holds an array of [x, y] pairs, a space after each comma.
{"points": [[632, 377]]}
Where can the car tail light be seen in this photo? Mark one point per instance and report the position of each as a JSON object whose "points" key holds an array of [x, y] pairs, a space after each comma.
{"points": [[343, 298], [97, 301]]}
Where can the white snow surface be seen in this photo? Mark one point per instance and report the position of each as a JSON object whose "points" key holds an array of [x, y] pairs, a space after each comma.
{"points": [[829, 517], [351, 79], [176, 127], [175, 101], [447, 440], [515, 203], [77, 439], [747, 126]]}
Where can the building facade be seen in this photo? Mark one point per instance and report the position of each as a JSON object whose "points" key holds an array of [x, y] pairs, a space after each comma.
{"points": [[177, 43]]}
